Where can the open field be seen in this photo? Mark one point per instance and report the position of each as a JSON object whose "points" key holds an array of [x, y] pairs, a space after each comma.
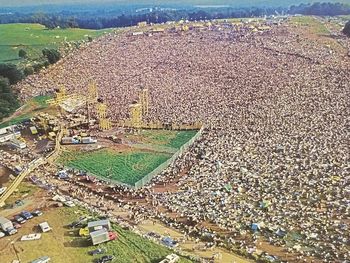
{"points": [[310, 24], [64, 245], [27, 111], [35, 37], [151, 149], [172, 139], [126, 167]]}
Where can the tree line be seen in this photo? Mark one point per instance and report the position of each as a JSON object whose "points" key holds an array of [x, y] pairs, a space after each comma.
{"points": [[11, 74], [98, 20]]}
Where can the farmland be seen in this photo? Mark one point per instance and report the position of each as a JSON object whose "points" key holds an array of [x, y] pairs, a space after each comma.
{"points": [[34, 37], [63, 244]]}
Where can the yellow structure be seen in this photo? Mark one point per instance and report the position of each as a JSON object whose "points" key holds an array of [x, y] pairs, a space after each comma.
{"points": [[92, 92], [104, 122], [136, 115], [142, 24], [143, 100]]}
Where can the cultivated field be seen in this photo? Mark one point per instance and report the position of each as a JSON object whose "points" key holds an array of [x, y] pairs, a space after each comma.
{"points": [[34, 37]]}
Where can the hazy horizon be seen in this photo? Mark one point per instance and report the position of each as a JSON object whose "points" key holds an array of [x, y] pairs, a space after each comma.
{"points": [[22, 3]]}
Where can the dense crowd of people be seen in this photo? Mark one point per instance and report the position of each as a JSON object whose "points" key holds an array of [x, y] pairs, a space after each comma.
{"points": [[274, 157]]}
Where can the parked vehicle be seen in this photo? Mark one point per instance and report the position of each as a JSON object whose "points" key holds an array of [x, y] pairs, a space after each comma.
{"points": [[31, 237], [84, 232], [69, 203], [97, 251], [2, 190], [101, 236], [15, 224], [43, 259], [105, 259], [20, 219], [37, 213], [7, 226], [169, 242], [172, 258], [26, 215], [44, 227]]}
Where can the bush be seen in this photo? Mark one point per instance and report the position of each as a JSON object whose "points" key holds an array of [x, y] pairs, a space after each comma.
{"points": [[29, 70], [22, 53], [8, 100], [11, 72], [52, 55]]}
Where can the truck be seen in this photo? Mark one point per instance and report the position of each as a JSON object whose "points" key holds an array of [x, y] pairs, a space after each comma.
{"points": [[7, 226], [101, 236], [78, 140]]}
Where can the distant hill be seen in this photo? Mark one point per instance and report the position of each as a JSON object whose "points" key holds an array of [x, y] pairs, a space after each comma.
{"points": [[233, 3]]}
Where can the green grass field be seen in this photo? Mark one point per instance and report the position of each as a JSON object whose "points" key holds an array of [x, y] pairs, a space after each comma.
{"points": [[64, 245], [35, 37], [311, 23], [130, 166], [172, 139], [29, 109], [127, 167]]}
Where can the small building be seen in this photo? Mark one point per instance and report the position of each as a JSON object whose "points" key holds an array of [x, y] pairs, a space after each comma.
{"points": [[98, 225], [99, 236]]}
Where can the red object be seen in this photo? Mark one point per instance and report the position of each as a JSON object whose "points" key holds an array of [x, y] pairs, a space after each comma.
{"points": [[112, 235]]}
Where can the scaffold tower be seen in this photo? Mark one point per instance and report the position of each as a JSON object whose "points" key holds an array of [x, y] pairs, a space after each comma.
{"points": [[136, 115], [143, 100], [104, 122]]}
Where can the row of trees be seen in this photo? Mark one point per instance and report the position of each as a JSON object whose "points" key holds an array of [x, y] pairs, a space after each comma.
{"points": [[98, 20]]}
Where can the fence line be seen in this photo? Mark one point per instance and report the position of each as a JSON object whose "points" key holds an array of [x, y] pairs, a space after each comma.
{"points": [[146, 179]]}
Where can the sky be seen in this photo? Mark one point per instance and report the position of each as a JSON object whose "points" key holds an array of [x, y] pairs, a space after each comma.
{"points": [[7, 3]]}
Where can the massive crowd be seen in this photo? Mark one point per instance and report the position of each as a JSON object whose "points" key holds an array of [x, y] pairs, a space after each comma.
{"points": [[274, 157]]}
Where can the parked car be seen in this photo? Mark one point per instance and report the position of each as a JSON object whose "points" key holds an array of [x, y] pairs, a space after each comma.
{"points": [[20, 219], [105, 259], [37, 213], [69, 203], [2, 190], [15, 224], [2, 234], [43, 259], [26, 215], [97, 251]]}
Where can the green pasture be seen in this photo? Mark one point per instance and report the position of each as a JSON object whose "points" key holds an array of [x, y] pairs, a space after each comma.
{"points": [[314, 25], [35, 37], [125, 167]]}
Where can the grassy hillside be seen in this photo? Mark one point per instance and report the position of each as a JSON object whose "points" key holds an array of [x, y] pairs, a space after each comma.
{"points": [[34, 37]]}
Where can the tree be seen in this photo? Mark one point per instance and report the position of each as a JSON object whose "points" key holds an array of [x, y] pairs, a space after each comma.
{"points": [[8, 101], [52, 55], [22, 53], [346, 29], [11, 72]]}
